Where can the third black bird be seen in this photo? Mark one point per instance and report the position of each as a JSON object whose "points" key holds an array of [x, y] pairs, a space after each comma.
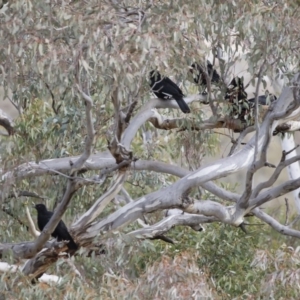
{"points": [[240, 106], [61, 232], [264, 99], [165, 88], [235, 92]]}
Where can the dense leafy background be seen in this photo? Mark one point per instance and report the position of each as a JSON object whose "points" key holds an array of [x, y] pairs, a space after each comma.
{"points": [[45, 47]]}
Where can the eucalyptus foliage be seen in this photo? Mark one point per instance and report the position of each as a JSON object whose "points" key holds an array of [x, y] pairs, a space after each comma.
{"points": [[54, 52]]}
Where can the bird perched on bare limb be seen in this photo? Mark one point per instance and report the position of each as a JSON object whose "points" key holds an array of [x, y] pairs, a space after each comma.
{"points": [[61, 232], [164, 88], [199, 76], [241, 107]]}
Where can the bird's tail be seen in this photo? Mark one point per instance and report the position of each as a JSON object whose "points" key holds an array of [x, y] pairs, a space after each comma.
{"points": [[72, 246], [183, 106]]}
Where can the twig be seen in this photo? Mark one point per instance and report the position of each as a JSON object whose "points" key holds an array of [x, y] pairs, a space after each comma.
{"points": [[35, 233], [285, 230], [118, 126], [239, 140], [260, 74], [290, 151], [283, 163], [8, 212], [287, 211], [55, 109], [25, 194], [267, 164], [90, 131], [294, 221], [243, 202], [168, 223], [101, 203], [275, 192], [130, 111]]}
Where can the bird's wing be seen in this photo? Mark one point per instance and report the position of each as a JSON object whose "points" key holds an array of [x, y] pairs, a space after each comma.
{"points": [[62, 234], [61, 231], [172, 85], [43, 219]]}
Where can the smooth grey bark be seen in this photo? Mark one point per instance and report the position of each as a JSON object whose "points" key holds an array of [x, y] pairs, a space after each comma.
{"points": [[172, 196]]}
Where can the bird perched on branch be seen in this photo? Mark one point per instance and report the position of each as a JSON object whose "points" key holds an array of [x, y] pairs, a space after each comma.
{"points": [[235, 91], [166, 89], [237, 97], [61, 232], [266, 99], [199, 76], [241, 107]]}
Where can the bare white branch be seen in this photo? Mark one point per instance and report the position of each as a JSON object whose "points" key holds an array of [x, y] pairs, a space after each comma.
{"points": [[31, 225], [275, 192], [210, 208], [45, 278], [148, 111], [90, 131], [283, 163], [166, 224], [275, 224], [20, 250], [161, 122], [100, 204]]}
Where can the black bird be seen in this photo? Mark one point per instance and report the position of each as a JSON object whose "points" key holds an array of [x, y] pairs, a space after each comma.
{"points": [[165, 88], [235, 92], [264, 99], [199, 76], [241, 107], [61, 232]]}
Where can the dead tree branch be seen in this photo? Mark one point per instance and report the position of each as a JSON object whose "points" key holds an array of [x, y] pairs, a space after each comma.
{"points": [[90, 131], [168, 223], [290, 126], [283, 163], [35, 233], [100, 204], [285, 230]]}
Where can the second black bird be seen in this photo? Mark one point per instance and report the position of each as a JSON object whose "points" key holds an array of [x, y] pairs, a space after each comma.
{"points": [[198, 73], [61, 232], [165, 88]]}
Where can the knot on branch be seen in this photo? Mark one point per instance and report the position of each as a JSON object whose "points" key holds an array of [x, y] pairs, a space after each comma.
{"points": [[186, 202], [38, 264], [119, 152], [166, 124], [282, 128], [234, 124], [286, 153], [56, 247]]}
